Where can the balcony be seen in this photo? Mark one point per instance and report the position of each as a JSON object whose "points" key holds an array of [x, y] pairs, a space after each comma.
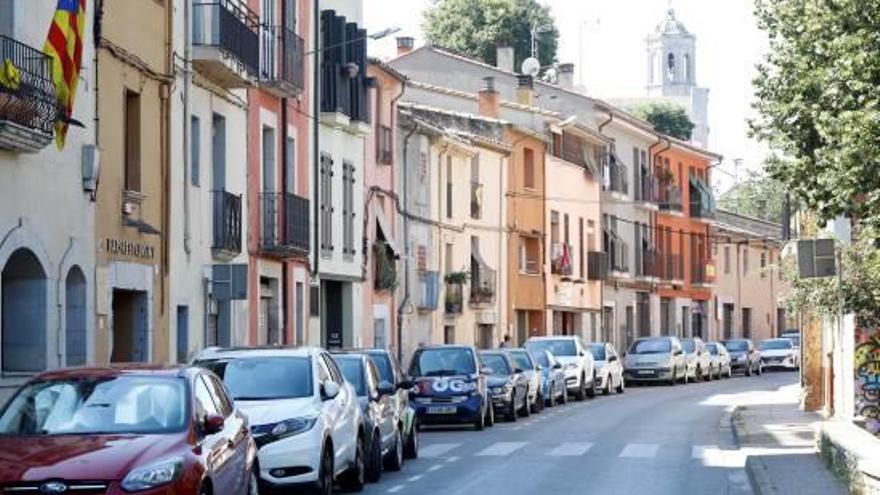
{"points": [[226, 42], [282, 70], [618, 253], [454, 298], [344, 81], [227, 224], [671, 267], [669, 197], [702, 273], [597, 265], [702, 200], [28, 106], [649, 190], [616, 177], [284, 225], [560, 259], [429, 286], [476, 200], [577, 150], [384, 146], [482, 285], [648, 264]]}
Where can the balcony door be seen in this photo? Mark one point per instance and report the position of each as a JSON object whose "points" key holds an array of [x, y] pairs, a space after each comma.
{"points": [[271, 204]]}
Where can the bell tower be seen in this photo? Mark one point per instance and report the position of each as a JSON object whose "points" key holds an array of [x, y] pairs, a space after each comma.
{"points": [[671, 58]]}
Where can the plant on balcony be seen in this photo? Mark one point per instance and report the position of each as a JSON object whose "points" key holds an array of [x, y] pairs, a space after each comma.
{"points": [[457, 278], [385, 278], [482, 294]]}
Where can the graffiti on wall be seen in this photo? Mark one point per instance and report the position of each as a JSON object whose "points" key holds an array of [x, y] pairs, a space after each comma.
{"points": [[867, 364]]}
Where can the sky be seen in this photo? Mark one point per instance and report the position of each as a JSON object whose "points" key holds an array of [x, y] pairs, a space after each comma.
{"points": [[605, 39]]}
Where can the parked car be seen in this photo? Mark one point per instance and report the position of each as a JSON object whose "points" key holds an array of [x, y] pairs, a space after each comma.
{"points": [[609, 369], [148, 429], [655, 359], [699, 364], [390, 371], [554, 390], [779, 353], [450, 386], [304, 416], [794, 335], [508, 385], [743, 356], [577, 362], [382, 425], [720, 359], [532, 370]]}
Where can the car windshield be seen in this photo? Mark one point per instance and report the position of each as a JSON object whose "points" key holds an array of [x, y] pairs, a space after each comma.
{"points": [[651, 346], [353, 370], [688, 346], [521, 360], [560, 347], [496, 363], [713, 349], [736, 345], [265, 378], [795, 340], [775, 345], [598, 351], [542, 359], [118, 405], [383, 365], [443, 362]]}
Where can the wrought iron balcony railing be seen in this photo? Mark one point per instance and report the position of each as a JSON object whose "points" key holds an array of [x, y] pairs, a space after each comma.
{"points": [[672, 266], [670, 197], [617, 180], [560, 259], [232, 28], [227, 223], [284, 224], [482, 285], [384, 146], [454, 298], [28, 105], [282, 69]]}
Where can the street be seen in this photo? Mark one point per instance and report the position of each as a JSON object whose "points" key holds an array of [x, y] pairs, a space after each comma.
{"points": [[651, 440]]}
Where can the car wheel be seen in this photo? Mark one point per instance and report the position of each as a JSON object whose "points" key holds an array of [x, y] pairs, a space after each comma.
{"points": [[591, 389], [394, 461], [760, 369], [490, 416], [324, 483], [748, 369], [374, 461], [253, 485], [538, 406], [526, 409], [480, 422], [354, 479], [622, 387], [581, 393], [411, 449], [551, 400], [564, 399], [729, 371], [674, 379]]}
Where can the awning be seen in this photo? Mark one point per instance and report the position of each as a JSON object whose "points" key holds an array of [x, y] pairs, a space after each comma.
{"points": [[387, 233]]}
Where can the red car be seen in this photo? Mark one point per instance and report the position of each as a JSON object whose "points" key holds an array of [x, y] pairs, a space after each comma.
{"points": [[147, 430]]}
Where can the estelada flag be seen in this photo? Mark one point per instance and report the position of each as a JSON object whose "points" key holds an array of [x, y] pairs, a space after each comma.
{"points": [[64, 46]]}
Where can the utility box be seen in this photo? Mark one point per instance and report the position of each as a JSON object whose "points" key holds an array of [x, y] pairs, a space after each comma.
{"points": [[816, 258]]}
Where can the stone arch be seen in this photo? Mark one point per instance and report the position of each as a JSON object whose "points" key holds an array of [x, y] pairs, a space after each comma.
{"points": [[24, 318], [75, 316]]}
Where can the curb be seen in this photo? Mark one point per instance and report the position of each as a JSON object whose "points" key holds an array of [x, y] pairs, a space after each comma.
{"points": [[756, 470], [734, 416]]}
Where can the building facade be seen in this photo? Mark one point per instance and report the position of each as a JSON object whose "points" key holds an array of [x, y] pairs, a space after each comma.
{"points": [[47, 212]]}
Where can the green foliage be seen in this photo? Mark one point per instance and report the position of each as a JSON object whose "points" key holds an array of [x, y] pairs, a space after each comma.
{"points": [[667, 118], [818, 102], [476, 27], [457, 278], [757, 196]]}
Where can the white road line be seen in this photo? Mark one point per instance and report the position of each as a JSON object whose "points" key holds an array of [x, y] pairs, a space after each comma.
{"points": [[437, 449], [703, 451], [501, 449], [640, 450], [395, 489], [452, 459], [415, 478], [571, 449], [435, 467], [516, 428]]}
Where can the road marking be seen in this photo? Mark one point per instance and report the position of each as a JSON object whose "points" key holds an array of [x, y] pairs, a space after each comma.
{"points": [[516, 428], [703, 451], [453, 459], [571, 449], [415, 478], [435, 467], [395, 489], [437, 449], [501, 449], [640, 450]]}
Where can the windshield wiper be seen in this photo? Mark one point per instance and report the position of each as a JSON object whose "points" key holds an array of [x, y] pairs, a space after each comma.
{"points": [[444, 372]]}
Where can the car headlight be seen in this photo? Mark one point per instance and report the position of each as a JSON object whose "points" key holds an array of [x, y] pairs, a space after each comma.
{"points": [[153, 475], [497, 390], [290, 427], [571, 366]]}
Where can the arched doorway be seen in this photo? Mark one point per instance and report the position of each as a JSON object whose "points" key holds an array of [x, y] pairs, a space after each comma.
{"points": [[24, 318], [75, 317]]}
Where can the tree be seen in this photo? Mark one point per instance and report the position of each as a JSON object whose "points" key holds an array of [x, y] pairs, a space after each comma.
{"points": [[667, 118], [818, 103], [476, 28], [757, 196]]}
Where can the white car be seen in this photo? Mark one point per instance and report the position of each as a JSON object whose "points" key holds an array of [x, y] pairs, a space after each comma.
{"points": [[609, 368], [299, 405], [699, 363], [779, 353], [577, 362], [720, 359]]}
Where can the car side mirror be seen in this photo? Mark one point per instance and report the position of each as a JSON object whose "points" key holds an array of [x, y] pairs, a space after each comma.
{"points": [[517, 370], [386, 388], [329, 390], [540, 368], [405, 384], [213, 423], [485, 370], [678, 352], [557, 366], [582, 353], [611, 359]]}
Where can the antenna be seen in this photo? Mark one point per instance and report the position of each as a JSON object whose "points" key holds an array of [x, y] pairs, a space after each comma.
{"points": [[531, 67]]}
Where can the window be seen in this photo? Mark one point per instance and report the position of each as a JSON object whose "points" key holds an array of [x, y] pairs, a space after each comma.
{"points": [[747, 323], [290, 166], [670, 66], [581, 257], [326, 203], [448, 187], [529, 255], [763, 264], [448, 258], [591, 235], [348, 213], [289, 13], [268, 160], [449, 334], [476, 189], [132, 141], [528, 168], [219, 394], [335, 374], [554, 227], [205, 404], [565, 228], [726, 260], [745, 256], [195, 147]]}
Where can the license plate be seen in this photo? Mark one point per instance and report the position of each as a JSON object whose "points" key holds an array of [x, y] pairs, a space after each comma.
{"points": [[646, 372], [442, 410]]}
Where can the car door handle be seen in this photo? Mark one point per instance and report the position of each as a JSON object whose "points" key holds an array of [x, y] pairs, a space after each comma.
{"points": [[230, 443]]}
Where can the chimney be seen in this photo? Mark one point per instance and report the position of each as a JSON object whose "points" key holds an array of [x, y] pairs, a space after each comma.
{"points": [[405, 44], [504, 58], [565, 76], [525, 90], [489, 100]]}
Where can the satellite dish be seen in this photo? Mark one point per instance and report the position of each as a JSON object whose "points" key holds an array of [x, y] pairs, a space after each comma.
{"points": [[531, 66]]}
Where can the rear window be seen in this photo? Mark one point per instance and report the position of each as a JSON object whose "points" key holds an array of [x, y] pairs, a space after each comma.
{"points": [[521, 360], [443, 362], [736, 345], [383, 365], [651, 346], [541, 358], [561, 347], [353, 370], [265, 378], [688, 346], [598, 351], [712, 348], [496, 363]]}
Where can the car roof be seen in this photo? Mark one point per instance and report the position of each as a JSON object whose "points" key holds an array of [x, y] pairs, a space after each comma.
{"points": [[214, 353], [447, 346], [119, 369], [553, 337], [781, 339]]}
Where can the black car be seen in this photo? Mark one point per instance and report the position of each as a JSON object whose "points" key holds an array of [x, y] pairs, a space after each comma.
{"points": [[381, 421], [743, 356], [391, 372], [508, 385]]}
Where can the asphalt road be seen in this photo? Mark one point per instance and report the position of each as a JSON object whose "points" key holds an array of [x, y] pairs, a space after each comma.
{"points": [[650, 440]]}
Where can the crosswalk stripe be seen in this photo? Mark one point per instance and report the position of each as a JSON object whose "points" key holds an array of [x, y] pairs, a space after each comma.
{"points": [[437, 449], [640, 450], [700, 451], [571, 449], [501, 448]]}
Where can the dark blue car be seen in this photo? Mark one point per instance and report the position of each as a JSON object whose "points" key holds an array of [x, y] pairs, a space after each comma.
{"points": [[450, 387]]}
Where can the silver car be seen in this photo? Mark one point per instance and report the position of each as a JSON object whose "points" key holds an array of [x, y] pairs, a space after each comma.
{"points": [[532, 371], [655, 359], [577, 362], [609, 369], [699, 364], [720, 359]]}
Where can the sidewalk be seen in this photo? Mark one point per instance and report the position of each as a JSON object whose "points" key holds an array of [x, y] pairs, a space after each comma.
{"points": [[779, 441]]}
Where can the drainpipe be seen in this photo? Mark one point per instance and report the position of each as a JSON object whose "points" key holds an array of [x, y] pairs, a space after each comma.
{"points": [[406, 218], [187, 116], [406, 289], [603, 124], [285, 282], [316, 157]]}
